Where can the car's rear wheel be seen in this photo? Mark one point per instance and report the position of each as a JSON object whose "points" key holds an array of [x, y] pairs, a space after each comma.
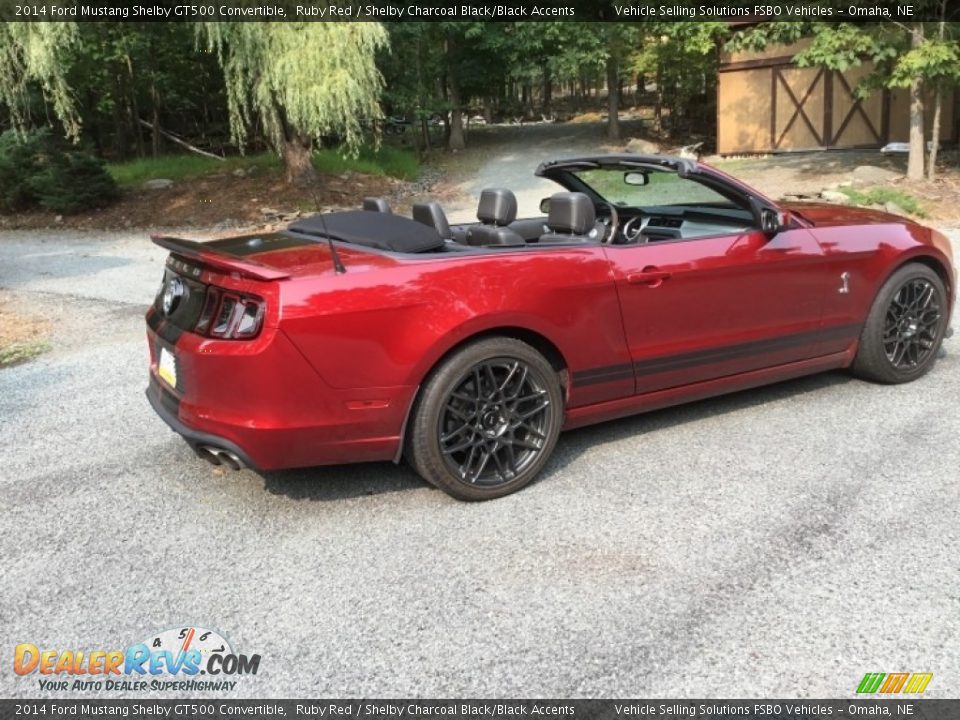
{"points": [[486, 420], [905, 327]]}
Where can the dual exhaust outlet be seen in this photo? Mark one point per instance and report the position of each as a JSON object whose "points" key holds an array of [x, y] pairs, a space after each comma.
{"points": [[218, 456]]}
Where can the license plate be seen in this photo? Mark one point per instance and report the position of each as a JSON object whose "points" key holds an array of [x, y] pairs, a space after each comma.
{"points": [[167, 367]]}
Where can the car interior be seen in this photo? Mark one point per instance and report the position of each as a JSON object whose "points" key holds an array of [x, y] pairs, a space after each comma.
{"points": [[637, 205]]}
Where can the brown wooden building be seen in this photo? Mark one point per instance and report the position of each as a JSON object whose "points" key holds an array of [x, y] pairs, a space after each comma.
{"points": [[765, 103]]}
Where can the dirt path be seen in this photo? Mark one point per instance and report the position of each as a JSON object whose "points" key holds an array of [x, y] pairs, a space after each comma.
{"points": [[506, 156]]}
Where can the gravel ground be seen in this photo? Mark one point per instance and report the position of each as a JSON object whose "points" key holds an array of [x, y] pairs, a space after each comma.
{"points": [[777, 542]]}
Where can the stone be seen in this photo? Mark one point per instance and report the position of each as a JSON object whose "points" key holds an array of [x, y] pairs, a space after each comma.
{"points": [[239, 172], [864, 175], [835, 197], [894, 209], [158, 184], [642, 147]]}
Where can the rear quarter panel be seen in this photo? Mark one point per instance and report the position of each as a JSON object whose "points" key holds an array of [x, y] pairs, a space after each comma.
{"points": [[389, 325]]}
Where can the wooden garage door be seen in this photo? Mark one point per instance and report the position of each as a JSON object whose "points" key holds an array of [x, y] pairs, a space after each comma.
{"points": [[816, 108]]}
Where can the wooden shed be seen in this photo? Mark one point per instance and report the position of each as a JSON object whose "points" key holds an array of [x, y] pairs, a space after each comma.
{"points": [[765, 103]]}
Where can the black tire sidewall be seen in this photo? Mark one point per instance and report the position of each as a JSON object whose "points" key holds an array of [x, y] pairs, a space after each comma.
{"points": [[423, 447], [871, 361]]}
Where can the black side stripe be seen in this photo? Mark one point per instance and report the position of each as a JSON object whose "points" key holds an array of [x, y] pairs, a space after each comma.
{"points": [[683, 361]]}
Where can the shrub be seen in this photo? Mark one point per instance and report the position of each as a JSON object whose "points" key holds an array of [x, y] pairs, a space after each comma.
{"points": [[73, 181], [37, 170], [18, 164]]}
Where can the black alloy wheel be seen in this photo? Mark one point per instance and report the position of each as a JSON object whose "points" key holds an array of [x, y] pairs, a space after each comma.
{"points": [[486, 420], [905, 327]]}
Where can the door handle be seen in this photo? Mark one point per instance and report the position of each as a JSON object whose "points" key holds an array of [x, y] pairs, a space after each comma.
{"points": [[649, 276]]}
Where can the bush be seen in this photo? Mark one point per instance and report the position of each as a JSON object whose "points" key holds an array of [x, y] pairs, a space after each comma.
{"points": [[18, 165], [73, 181], [37, 170]]}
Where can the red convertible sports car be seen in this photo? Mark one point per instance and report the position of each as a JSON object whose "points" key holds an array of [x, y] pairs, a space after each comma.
{"points": [[648, 281]]}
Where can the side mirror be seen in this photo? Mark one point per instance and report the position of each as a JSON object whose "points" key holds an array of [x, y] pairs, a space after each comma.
{"points": [[636, 178], [545, 206], [772, 221], [769, 220]]}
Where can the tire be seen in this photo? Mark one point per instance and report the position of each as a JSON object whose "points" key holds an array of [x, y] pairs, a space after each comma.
{"points": [[905, 327], [487, 420]]}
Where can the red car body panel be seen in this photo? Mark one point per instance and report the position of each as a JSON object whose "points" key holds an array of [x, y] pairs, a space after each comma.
{"points": [[335, 369]]}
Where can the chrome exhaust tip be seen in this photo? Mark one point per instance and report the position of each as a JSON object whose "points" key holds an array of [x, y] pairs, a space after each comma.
{"points": [[219, 456]]}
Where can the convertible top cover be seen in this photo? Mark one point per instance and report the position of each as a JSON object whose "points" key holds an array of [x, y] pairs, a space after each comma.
{"points": [[383, 231]]}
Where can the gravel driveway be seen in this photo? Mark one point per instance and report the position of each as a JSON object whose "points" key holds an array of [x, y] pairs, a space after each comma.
{"points": [[776, 542]]}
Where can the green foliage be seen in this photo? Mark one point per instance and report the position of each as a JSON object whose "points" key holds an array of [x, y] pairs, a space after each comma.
{"points": [[18, 165], [35, 54], [385, 160], [382, 160], [883, 195], [69, 181], [133, 173], [312, 78], [21, 352], [35, 170]]}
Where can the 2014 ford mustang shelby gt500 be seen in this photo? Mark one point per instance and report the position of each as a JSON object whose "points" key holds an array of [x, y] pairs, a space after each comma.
{"points": [[647, 281]]}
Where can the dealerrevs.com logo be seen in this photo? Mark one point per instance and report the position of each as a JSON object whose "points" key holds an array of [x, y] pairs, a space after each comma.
{"points": [[179, 659]]}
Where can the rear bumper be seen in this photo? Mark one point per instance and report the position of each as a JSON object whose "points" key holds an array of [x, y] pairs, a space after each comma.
{"points": [[264, 403], [195, 439]]}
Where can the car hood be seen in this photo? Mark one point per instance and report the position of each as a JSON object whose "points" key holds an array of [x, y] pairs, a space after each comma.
{"points": [[829, 215]]}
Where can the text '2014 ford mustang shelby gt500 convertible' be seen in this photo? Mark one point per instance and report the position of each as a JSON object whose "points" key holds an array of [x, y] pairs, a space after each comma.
{"points": [[646, 282]]}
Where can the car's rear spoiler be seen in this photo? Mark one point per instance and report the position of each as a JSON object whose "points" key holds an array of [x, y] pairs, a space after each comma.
{"points": [[215, 259]]}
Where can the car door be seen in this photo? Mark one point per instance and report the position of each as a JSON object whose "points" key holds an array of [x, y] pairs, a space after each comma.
{"points": [[704, 308]]}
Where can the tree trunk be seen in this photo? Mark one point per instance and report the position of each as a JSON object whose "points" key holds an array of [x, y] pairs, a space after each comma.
{"points": [[613, 99], [155, 102], [917, 149], [298, 160], [937, 110], [456, 140], [547, 89]]}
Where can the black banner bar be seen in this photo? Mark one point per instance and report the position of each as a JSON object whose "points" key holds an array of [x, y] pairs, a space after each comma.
{"points": [[466, 10], [400, 709]]}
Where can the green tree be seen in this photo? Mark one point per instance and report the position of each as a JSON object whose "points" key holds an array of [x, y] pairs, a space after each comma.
{"points": [[303, 81], [37, 56]]}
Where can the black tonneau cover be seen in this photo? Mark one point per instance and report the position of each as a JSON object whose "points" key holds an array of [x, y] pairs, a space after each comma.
{"points": [[383, 231]]}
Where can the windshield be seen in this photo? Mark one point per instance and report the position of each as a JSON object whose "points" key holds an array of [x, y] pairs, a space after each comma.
{"points": [[661, 187]]}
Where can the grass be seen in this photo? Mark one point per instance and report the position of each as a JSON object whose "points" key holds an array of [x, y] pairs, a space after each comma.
{"points": [[884, 195], [20, 352], [184, 167], [386, 160]]}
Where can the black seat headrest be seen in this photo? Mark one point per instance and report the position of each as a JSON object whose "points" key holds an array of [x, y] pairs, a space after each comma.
{"points": [[571, 212], [498, 206], [375, 204], [432, 215], [485, 235]]}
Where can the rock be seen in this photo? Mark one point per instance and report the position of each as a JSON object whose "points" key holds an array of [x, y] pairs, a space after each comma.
{"points": [[834, 197], [239, 172], [58, 219], [158, 184], [642, 147], [872, 175], [268, 211], [894, 209]]}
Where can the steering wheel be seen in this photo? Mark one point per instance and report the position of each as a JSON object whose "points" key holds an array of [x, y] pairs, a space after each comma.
{"points": [[611, 229]]}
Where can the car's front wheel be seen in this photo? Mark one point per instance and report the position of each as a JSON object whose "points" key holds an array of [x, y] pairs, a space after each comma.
{"points": [[486, 420], [905, 327]]}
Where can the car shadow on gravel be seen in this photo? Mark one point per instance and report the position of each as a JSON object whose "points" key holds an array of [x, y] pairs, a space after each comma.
{"points": [[352, 481]]}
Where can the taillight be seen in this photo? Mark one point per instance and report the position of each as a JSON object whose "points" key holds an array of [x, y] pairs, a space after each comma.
{"points": [[230, 316]]}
